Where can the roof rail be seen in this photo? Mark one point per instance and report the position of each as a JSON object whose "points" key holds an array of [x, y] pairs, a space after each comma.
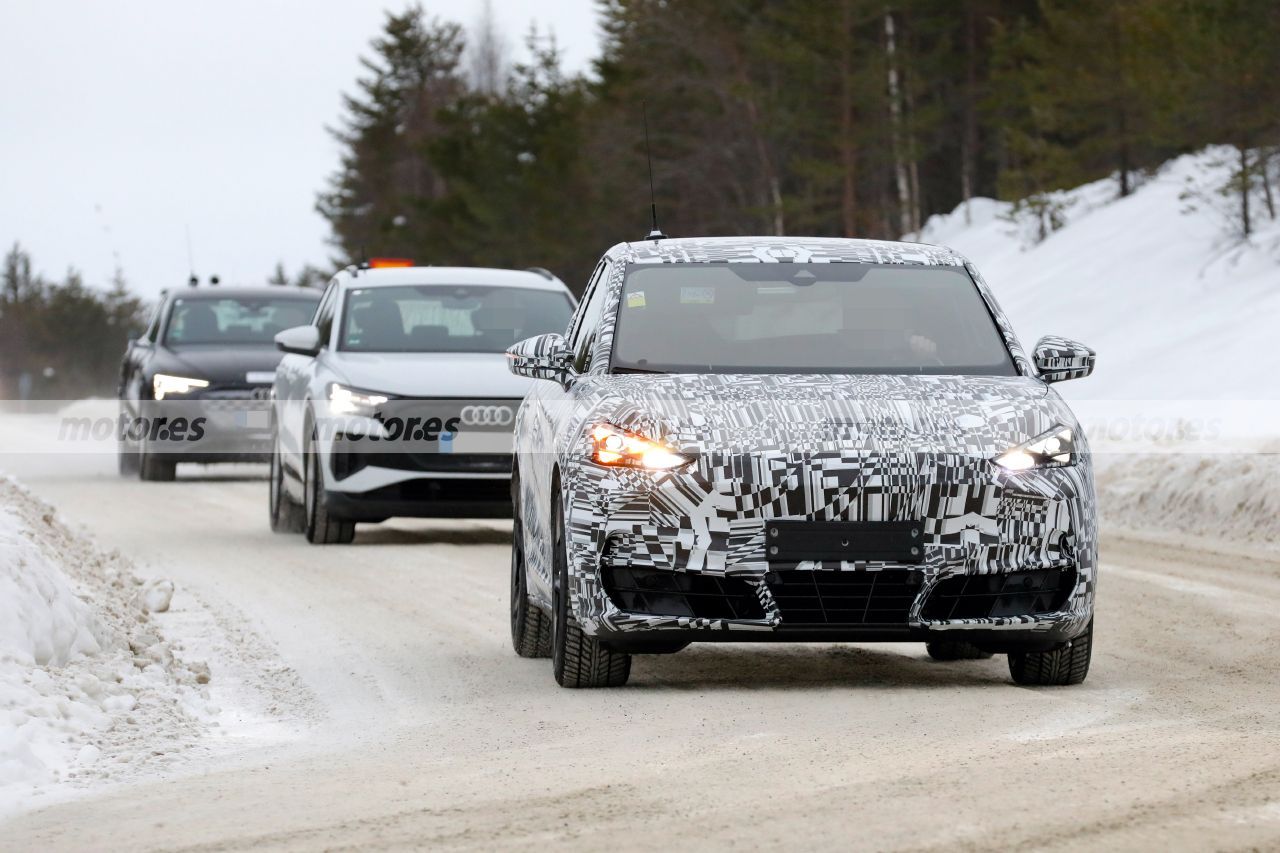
{"points": [[542, 271]]}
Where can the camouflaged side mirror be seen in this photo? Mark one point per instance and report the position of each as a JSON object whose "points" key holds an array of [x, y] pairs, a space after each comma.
{"points": [[542, 357], [1059, 359]]}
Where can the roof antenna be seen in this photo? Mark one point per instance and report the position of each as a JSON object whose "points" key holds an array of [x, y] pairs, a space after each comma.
{"points": [[191, 264], [656, 233]]}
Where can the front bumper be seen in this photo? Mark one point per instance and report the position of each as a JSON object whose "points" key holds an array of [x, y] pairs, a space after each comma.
{"points": [[425, 497], [989, 526], [233, 426]]}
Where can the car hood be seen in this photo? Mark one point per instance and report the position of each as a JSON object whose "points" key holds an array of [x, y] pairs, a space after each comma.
{"points": [[219, 365], [407, 374], [811, 414]]}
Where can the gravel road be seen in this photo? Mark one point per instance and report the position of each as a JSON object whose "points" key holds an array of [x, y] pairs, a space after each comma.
{"points": [[415, 725]]}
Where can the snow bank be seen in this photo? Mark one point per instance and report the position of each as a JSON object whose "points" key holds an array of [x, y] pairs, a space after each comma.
{"points": [[86, 676], [1233, 498]]}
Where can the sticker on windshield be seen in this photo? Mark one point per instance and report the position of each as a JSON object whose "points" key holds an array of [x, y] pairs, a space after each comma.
{"points": [[697, 295], [635, 299]]}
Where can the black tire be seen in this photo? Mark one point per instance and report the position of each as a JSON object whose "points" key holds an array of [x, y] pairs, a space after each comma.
{"points": [[530, 624], [954, 650], [578, 660], [155, 468], [126, 455], [287, 515], [321, 528], [1064, 665]]}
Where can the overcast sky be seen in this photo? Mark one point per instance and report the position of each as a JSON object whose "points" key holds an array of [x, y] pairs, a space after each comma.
{"points": [[124, 123]]}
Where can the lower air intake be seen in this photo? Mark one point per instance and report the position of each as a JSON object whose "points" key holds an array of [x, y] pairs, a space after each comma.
{"points": [[666, 593], [1000, 595]]}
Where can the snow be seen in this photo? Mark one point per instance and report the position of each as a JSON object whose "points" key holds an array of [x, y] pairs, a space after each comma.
{"points": [[89, 687], [1176, 308], [1183, 410], [1231, 498]]}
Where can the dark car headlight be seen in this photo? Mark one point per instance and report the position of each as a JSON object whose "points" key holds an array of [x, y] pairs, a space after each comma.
{"points": [[164, 385]]}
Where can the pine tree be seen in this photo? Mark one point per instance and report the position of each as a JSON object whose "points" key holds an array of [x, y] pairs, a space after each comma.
{"points": [[376, 202]]}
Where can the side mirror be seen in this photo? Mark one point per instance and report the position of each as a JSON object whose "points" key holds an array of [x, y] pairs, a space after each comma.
{"points": [[541, 357], [1058, 359], [300, 340]]}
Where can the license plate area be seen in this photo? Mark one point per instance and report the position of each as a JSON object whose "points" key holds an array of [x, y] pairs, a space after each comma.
{"points": [[887, 541]]}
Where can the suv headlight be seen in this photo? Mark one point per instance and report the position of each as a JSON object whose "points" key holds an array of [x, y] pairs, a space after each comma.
{"points": [[1053, 449], [615, 447], [352, 401], [163, 385]]}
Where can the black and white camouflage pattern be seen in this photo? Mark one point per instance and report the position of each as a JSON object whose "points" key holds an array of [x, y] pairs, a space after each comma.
{"points": [[813, 447], [1059, 359]]}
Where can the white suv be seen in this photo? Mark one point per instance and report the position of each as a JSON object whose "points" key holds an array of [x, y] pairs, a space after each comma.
{"points": [[396, 399]]}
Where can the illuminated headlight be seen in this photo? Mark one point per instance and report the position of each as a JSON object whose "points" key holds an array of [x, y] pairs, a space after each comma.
{"points": [[618, 448], [1053, 449], [351, 401], [163, 385]]}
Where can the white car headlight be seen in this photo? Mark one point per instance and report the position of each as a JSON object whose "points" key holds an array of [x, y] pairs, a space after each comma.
{"points": [[1053, 449], [163, 385], [352, 401]]}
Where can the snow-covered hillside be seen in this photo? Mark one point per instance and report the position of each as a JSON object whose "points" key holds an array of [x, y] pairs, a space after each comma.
{"points": [[1175, 308]]}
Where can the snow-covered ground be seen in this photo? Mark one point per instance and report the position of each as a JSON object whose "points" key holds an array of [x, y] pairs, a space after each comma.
{"points": [[1183, 410]]}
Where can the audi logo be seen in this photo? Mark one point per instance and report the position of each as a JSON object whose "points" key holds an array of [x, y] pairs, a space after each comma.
{"points": [[487, 415]]}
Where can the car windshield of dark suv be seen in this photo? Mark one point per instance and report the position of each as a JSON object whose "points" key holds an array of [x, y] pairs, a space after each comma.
{"points": [[447, 318], [806, 318], [236, 320]]}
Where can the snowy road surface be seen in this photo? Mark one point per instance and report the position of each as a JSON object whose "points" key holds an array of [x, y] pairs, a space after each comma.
{"points": [[402, 717]]}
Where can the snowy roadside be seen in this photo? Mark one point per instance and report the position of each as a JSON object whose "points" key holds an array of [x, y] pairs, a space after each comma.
{"points": [[100, 680], [1222, 497]]}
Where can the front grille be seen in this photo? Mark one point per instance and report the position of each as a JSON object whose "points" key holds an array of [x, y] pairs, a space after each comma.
{"points": [[844, 598], [1000, 595], [666, 593]]}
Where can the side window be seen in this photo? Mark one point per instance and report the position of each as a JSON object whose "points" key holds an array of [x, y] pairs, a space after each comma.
{"points": [[584, 336], [324, 313], [575, 322]]}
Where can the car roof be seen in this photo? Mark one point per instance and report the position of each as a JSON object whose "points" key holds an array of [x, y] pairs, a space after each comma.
{"points": [[217, 291], [392, 276], [784, 250]]}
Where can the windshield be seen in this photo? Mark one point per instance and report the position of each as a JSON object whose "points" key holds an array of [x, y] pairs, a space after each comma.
{"points": [[236, 319], [806, 318], [449, 318]]}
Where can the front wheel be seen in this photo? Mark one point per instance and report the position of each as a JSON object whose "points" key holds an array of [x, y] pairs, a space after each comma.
{"points": [[126, 455], [1064, 665], [322, 528], [579, 660], [530, 625], [154, 467], [287, 516]]}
